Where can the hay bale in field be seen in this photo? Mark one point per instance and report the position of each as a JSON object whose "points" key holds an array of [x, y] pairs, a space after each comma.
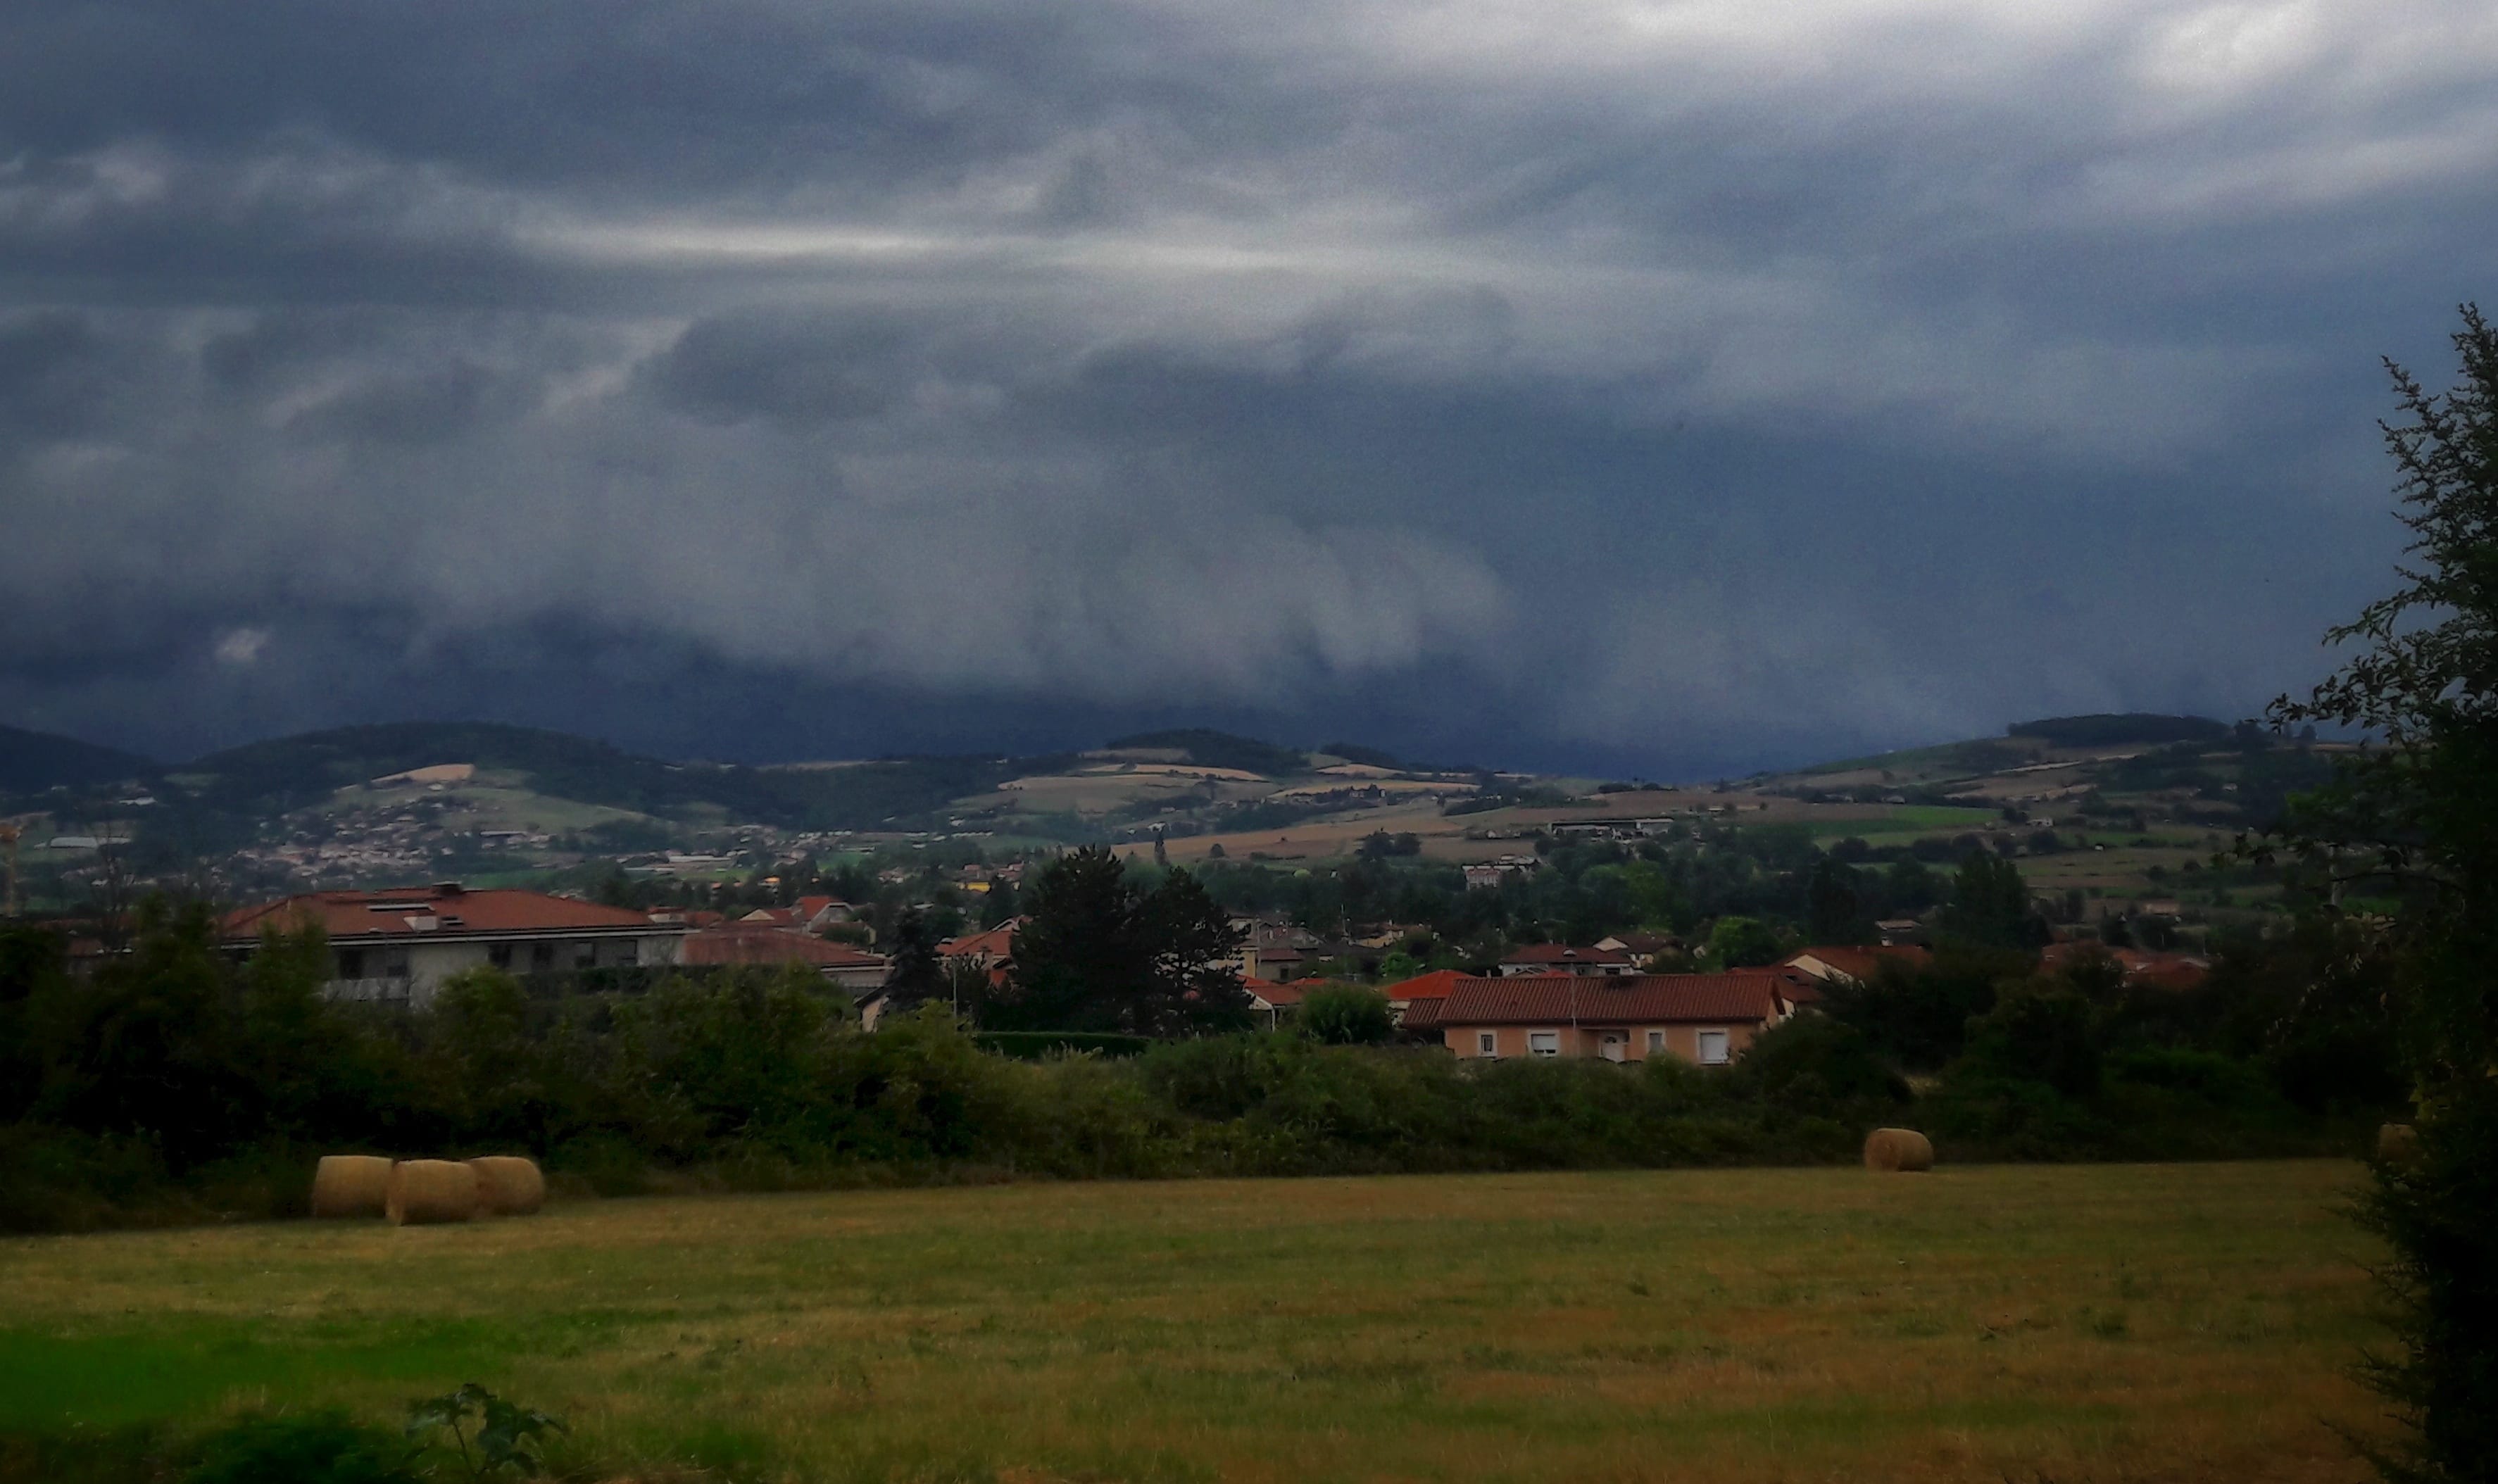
{"points": [[423, 1191], [508, 1185], [2397, 1144], [1897, 1149], [350, 1186]]}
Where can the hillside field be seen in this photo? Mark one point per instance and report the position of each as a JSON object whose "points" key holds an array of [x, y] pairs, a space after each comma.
{"points": [[1986, 1323]]}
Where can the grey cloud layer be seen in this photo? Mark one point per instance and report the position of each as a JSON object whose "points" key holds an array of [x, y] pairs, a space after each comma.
{"points": [[1623, 376]]}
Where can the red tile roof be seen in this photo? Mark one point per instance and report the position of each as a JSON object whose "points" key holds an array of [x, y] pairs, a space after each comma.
{"points": [[443, 910], [1563, 953], [997, 943], [760, 943], [1625, 999], [1433, 985], [2167, 971]]}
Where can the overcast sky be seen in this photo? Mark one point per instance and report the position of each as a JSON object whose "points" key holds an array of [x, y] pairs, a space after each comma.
{"points": [[1662, 388]]}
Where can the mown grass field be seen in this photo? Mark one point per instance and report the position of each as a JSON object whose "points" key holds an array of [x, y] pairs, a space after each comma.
{"points": [[2067, 1324]]}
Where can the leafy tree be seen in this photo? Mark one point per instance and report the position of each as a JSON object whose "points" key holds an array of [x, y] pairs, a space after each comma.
{"points": [[1918, 1014], [2416, 815], [1742, 942], [1818, 1064], [1990, 905], [1096, 953], [918, 974], [1835, 912], [2038, 1033], [1347, 1014]]}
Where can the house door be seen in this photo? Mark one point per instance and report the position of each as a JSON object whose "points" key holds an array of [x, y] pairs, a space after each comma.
{"points": [[1615, 1046]]}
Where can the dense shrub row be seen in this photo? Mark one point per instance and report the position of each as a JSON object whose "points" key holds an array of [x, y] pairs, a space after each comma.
{"points": [[179, 1084]]}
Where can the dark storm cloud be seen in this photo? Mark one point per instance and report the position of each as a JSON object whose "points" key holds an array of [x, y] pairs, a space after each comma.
{"points": [[1668, 384]]}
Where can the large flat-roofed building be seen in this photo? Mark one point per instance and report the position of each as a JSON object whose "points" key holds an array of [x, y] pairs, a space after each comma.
{"points": [[402, 943]]}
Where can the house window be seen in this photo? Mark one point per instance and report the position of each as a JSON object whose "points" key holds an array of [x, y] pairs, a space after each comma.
{"points": [[393, 963], [629, 951], [499, 954], [1544, 1043], [1713, 1048], [351, 963], [1655, 1041], [541, 955], [585, 955], [1486, 1045]]}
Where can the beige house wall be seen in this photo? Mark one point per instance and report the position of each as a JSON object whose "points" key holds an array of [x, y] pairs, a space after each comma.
{"points": [[1681, 1038]]}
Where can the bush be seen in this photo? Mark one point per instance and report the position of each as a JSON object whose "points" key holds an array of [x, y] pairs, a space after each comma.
{"points": [[1039, 1046], [1822, 1065], [321, 1448], [2037, 1034], [1347, 1014]]}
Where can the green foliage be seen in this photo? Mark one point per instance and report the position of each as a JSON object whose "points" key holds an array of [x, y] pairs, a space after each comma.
{"points": [[2041, 1034], [1347, 1014], [1816, 1064], [1036, 1046], [1101, 953], [1742, 942], [1835, 908], [1989, 906], [322, 1448], [2433, 1212], [494, 1436], [2415, 816], [763, 1078]]}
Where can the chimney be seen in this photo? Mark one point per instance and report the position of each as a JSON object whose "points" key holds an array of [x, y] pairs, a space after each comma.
{"points": [[448, 888]]}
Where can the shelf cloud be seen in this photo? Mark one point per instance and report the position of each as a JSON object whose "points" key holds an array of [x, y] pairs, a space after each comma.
{"points": [[1648, 385]]}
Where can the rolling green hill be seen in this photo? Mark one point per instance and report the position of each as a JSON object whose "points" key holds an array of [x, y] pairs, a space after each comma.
{"points": [[265, 779]]}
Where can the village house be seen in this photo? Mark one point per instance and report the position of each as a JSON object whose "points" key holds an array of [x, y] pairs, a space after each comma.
{"points": [[1272, 1002], [763, 942], [2141, 967], [1704, 1019], [1423, 989], [815, 914], [1490, 874], [1641, 949], [1563, 959], [401, 944], [1855, 965], [991, 953]]}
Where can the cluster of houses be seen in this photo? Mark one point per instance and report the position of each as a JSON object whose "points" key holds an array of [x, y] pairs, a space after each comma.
{"points": [[1545, 999]]}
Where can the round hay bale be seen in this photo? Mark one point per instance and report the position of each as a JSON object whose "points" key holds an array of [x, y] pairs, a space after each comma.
{"points": [[2397, 1144], [1897, 1149], [508, 1185], [423, 1191], [350, 1186]]}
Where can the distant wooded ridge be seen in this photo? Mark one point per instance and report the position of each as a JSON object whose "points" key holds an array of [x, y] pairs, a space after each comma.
{"points": [[2118, 729], [284, 773]]}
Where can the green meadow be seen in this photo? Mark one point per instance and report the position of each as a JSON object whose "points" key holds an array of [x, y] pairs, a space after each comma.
{"points": [[2169, 1322]]}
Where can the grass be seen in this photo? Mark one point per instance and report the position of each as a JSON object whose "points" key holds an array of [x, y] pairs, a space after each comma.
{"points": [[2079, 1323]]}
